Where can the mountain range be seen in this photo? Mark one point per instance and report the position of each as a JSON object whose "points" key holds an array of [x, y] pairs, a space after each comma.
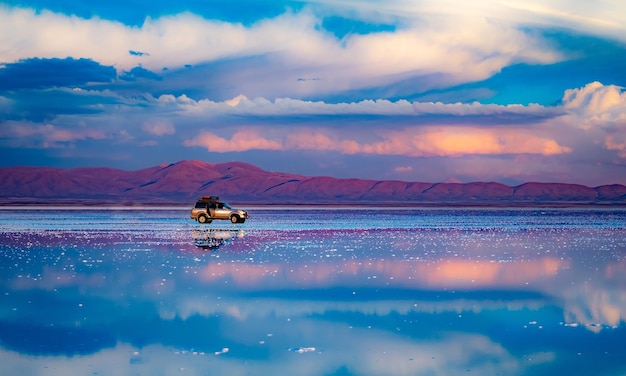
{"points": [[240, 183]]}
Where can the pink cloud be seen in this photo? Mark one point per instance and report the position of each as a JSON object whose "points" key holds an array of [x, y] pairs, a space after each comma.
{"points": [[456, 141], [316, 140], [612, 143], [158, 128], [452, 141], [46, 135], [402, 169], [240, 141]]}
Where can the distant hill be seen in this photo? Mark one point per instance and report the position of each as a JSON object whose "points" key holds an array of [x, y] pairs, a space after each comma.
{"points": [[236, 182]]}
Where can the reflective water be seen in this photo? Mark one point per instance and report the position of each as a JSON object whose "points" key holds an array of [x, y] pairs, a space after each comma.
{"points": [[313, 292]]}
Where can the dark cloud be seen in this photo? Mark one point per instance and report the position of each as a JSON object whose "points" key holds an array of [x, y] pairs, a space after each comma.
{"points": [[341, 26], [37, 73], [138, 53], [139, 73], [44, 105]]}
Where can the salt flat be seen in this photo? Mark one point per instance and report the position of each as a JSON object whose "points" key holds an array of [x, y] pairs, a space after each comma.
{"points": [[310, 291]]}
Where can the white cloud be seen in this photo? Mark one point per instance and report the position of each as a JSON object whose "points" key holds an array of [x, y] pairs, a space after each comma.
{"points": [[241, 105], [596, 101], [597, 17], [461, 48]]}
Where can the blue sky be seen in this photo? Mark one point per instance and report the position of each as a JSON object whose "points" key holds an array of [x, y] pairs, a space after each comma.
{"points": [[506, 91]]}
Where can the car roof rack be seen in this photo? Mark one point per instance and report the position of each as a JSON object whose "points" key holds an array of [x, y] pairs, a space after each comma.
{"points": [[209, 198]]}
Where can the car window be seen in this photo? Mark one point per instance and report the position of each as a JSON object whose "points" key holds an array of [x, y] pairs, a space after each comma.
{"points": [[200, 205]]}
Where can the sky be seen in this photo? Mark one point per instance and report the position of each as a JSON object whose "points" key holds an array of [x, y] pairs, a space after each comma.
{"points": [[430, 91]]}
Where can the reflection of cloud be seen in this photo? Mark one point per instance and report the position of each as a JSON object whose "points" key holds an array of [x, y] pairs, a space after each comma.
{"points": [[186, 307], [599, 303], [355, 350], [449, 273], [594, 307], [52, 278]]}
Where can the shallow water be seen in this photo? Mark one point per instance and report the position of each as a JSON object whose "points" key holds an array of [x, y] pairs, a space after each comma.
{"points": [[313, 292]]}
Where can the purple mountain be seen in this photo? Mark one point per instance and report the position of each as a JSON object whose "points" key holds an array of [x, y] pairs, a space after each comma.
{"points": [[236, 182]]}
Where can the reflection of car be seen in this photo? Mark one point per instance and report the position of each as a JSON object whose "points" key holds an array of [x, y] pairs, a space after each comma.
{"points": [[208, 208], [213, 238]]}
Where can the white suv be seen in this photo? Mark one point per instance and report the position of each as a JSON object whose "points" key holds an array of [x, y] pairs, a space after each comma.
{"points": [[208, 208]]}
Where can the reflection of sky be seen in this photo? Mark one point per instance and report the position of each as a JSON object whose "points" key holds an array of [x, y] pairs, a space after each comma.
{"points": [[313, 292]]}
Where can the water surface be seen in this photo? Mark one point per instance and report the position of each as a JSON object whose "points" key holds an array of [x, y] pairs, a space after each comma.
{"points": [[313, 292]]}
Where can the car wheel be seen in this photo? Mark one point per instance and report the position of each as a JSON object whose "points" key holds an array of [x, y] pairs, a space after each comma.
{"points": [[234, 219], [204, 219]]}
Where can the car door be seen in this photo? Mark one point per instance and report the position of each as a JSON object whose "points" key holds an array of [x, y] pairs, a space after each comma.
{"points": [[221, 212]]}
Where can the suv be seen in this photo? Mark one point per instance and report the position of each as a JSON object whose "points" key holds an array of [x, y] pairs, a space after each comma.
{"points": [[208, 208]]}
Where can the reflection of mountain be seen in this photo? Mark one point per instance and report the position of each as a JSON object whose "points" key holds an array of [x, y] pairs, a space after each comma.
{"points": [[183, 182], [214, 238]]}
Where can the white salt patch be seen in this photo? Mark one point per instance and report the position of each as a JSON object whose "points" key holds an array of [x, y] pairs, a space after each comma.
{"points": [[301, 350]]}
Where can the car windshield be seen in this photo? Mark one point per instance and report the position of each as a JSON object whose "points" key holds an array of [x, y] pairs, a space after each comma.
{"points": [[227, 206]]}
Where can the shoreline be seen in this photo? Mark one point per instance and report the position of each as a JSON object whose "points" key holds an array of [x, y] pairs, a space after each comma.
{"points": [[167, 205]]}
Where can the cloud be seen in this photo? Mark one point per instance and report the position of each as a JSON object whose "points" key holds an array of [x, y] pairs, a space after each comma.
{"points": [[415, 142], [457, 141], [426, 129], [42, 73], [600, 110], [240, 141], [425, 47], [158, 128], [602, 18], [241, 105], [318, 140], [45, 136], [611, 143], [138, 53], [139, 73], [402, 169], [6, 104], [595, 99], [293, 40]]}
